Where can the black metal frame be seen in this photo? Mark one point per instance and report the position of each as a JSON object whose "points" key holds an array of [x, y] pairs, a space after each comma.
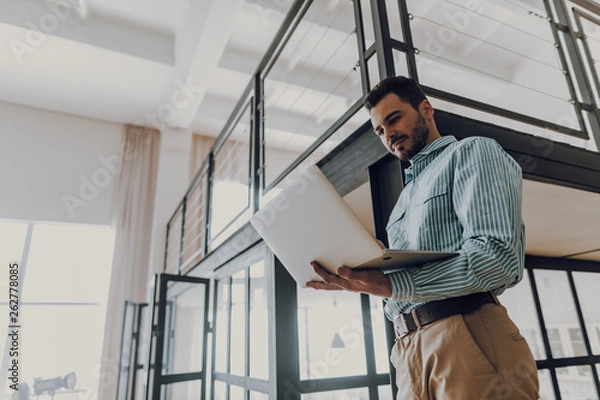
{"points": [[225, 272], [132, 353], [569, 266], [126, 354], [158, 378], [214, 152], [362, 157], [578, 71], [579, 15]]}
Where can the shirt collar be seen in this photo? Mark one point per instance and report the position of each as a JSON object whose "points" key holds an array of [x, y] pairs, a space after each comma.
{"points": [[426, 155]]}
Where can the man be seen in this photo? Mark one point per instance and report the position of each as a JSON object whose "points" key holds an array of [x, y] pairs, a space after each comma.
{"points": [[453, 338]]}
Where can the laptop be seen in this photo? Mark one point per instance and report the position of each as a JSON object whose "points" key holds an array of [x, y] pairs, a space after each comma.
{"points": [[309, 221]]}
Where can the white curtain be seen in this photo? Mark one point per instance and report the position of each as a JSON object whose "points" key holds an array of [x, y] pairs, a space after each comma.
{"points": [[133, 211]]}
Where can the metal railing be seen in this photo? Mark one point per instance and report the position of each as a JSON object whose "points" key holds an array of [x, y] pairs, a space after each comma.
{"points": [[305, 97]]}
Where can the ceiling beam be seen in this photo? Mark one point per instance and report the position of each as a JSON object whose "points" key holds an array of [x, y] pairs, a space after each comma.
{"points": [[40, 19], [201, 43]]}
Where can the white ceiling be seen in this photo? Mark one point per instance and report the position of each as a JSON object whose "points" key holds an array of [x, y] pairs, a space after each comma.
{"points": [[129, 61], [126, 61], [561, 222]]}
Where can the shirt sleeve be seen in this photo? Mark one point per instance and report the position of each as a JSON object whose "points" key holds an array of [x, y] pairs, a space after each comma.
{"points": [[486, 196]]}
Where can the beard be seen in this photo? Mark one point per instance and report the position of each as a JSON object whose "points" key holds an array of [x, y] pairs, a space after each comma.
{"points": [[420, 133]]}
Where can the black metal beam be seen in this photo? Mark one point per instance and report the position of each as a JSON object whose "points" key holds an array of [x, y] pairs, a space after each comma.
{"points": [[386, 178], [256, 144], [561, 264], [568, 362], [185, 377], [136, 359], [383, 44], [588, 5], [181, 241], [360, 42], [210, 162], [347, 382], [286, 334], [461, 100], [407, 33], [540, 158]]}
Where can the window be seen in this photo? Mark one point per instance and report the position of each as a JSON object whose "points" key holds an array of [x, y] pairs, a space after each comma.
{"points": [[556, 345], [242, 331], [65, 272], [578, 346]]}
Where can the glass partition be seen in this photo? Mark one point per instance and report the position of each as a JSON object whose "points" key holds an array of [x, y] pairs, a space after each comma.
{"points": [[242, 331], [259, 322], [587, 285], [330, 330], [576, 383], [590, 29], [367, 20], [238, 346], [311, 84], [184, 351], [498, 53], [230, 181]]}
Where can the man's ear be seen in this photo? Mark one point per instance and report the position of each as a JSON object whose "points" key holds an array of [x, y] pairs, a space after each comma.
{"points": [[426, 109]]}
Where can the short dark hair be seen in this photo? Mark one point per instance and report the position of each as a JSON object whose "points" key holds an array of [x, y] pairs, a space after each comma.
{"points": [[407, 89]]}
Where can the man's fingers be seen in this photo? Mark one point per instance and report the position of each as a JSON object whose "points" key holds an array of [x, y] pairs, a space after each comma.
{"points": [[354, 275], [323, 273], [323, 286]]}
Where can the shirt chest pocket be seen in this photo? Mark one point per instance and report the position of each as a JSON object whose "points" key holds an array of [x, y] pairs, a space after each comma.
{"points": [[433, 218], [397, 236], [424, 222], [433, 203]]}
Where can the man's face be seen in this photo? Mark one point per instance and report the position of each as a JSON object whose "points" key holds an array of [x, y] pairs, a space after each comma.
{"points": [[401, 128]]}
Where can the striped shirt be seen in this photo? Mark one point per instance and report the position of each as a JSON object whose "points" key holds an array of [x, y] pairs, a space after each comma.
{"points": [[462, 196]]}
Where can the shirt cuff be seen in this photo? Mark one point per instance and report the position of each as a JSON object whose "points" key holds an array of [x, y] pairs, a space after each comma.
{"points": [[403, 287]]}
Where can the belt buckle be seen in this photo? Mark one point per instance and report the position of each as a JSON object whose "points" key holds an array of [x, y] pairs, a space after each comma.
{"points": [[402, 318]]}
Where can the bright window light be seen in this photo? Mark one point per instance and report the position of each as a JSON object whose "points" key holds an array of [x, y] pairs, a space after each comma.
{"points": [[65, 274]]}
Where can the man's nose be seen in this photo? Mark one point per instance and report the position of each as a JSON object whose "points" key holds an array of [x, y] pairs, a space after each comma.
{"points": [[388, 133]]}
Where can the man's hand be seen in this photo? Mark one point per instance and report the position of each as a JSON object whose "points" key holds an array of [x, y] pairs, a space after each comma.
{"points": [[370, 281]]}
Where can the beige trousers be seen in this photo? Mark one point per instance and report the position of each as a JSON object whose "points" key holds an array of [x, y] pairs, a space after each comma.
{"points": [[475, 356]]}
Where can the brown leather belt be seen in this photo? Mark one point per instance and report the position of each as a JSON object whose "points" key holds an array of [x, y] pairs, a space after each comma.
{"points": [[436, 310]]}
